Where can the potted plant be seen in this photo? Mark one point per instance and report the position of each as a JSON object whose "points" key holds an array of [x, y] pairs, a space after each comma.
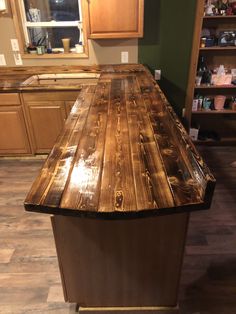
{"points": [[31, 48]]}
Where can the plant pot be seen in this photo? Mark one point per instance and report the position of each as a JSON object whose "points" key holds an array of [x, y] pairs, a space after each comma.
{"points": [[219, 102]]}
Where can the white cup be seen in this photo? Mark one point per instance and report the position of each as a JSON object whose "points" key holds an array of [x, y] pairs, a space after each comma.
{"points": [[78, 48]]}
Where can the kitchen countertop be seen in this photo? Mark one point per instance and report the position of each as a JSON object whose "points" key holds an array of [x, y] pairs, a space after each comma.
{"points": [[123, 153], [12, 78]]}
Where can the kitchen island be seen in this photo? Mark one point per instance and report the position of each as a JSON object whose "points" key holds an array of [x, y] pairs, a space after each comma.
{"points": [[120, 183]]}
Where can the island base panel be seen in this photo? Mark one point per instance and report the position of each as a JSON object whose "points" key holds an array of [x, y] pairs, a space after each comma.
{"points": [[121, 263]]}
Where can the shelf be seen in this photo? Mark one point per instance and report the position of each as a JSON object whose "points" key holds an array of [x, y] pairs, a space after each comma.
{"points": [[55, 56], [215, 86], [224, 111], [218, 48], [216, 17], [222, 142]]}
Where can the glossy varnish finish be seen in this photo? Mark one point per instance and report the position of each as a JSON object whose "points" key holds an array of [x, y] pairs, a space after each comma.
{"points": [[123, 152]]}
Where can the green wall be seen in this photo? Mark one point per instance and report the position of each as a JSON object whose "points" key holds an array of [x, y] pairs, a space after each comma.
{"points": [[149, 45], [167, 45]]}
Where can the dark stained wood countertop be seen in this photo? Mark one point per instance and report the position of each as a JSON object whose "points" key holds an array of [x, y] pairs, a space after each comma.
{"points": [[12, 78], [123, 153]]}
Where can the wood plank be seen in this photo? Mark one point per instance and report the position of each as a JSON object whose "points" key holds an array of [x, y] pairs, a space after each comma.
{"points": [[117, 187], [82, 188], [147, 155]]}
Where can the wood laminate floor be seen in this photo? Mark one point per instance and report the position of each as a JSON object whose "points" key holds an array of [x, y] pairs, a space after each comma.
{"points": [[29, 275]]}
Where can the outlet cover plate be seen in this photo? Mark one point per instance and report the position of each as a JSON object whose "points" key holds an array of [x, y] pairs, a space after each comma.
{"points": [[124, 57], [17, 58], [14, 45], [2, 60]]}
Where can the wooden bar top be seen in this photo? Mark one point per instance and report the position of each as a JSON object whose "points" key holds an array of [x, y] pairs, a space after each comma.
{"points": [[123, 153]]}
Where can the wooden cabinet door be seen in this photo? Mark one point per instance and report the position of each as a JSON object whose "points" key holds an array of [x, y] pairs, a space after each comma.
{"points": [[13, 134], [46, 120], [115, 18]]}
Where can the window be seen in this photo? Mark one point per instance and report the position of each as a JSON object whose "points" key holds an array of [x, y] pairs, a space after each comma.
{"points": [[46, 22]]}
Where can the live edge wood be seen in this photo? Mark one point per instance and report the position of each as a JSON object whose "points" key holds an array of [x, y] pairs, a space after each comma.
{"points": [[123, 153]]}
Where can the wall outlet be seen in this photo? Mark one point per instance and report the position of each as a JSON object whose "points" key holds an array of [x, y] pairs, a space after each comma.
{"points": [[2, 60], [14, 45], [17, 58], [3, 6], [124, 57], [157, 75]]}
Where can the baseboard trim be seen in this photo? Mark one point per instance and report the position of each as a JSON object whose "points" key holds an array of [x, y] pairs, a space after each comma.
{"points": [[129, 310]]}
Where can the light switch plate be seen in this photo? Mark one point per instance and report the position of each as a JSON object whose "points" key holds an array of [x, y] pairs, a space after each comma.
{"points": [[2, 60], [124, 57], [17, 58], [14, 45]]}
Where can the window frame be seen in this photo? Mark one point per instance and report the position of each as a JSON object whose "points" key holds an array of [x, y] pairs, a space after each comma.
{"points": [[21, 26]]}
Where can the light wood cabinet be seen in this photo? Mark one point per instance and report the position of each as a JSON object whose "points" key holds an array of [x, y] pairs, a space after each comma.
{"points": [[13, 135], [114, 18], [46, 120], [46, 114]]}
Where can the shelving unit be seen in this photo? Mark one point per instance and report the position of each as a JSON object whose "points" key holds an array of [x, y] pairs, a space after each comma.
{"points": [[224, 111], [215, 87], [223, 122], [218, 48]]}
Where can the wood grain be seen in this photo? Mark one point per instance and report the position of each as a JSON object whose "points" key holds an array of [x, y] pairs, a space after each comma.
{"points": [[131, 263], [123, 153]]}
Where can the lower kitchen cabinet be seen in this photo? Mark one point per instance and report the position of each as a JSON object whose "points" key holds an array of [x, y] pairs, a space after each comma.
{"points": [[13, 134], [45, 115], [46, 120]]}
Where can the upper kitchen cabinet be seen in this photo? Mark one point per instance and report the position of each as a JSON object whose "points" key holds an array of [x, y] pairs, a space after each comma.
{"points": [[114, 18]]}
